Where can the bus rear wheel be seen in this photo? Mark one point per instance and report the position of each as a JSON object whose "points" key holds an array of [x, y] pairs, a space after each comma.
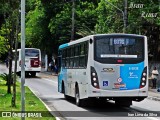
{"points": [[33, 74], [79, 102], [19, 74]]}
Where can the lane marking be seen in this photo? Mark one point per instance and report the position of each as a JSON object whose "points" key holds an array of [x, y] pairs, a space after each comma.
{"points": [[50, 80], [57, 118]]}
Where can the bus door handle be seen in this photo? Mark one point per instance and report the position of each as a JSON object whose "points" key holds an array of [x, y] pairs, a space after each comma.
{"points": [[84, 73]]}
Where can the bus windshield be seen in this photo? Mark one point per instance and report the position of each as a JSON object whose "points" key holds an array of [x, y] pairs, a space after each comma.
{"points": [[119, 47], [31, 53]]}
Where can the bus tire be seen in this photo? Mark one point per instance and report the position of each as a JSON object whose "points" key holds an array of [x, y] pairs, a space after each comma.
{"points": [[63, 91], [33, 74], [79, 102], [66, 96], [19, 74]]}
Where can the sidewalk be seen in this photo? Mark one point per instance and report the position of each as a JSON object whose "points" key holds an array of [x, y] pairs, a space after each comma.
{"points": [[152, 93], [47, 72]]}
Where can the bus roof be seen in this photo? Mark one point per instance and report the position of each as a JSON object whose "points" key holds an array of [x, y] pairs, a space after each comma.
{"points": [[26, 48], [91, 36]]}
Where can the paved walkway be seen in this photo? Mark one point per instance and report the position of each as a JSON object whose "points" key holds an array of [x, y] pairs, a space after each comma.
{"points": [[153, 94]]}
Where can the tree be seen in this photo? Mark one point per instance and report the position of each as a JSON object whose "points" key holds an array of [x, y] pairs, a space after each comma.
{"points": [[2, 44], [10, 10]]}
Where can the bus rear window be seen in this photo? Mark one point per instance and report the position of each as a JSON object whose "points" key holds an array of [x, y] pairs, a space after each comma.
{"points": [[31, 53], [119, 47]]}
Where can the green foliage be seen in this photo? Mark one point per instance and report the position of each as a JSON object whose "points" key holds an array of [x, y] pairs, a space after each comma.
{"points": [[32, 103], [4, 76], [48, 23], [110, 19], [2, 44], [86, 18], [58, 27]]}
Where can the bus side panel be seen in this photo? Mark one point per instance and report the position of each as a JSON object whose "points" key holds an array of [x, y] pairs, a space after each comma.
{"points": [[62, 77], [79, 76]]}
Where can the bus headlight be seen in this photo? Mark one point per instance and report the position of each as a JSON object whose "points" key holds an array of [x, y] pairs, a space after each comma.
{"points": [[143, 83], [95, 84], [93, 74], [94, 78], [144, 74], [143, 79]]}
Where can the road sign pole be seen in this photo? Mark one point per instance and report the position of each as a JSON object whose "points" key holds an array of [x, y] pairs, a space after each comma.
{"points": [[23, 58]]}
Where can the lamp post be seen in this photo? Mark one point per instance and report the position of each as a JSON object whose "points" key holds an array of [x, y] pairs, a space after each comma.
{"points": [[22, 58], [123, 13]]}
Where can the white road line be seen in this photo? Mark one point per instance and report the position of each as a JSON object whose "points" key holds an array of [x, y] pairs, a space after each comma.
{"points": [[57, 118], [50, 80]]}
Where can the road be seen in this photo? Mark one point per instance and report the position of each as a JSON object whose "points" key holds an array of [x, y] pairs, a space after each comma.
{"points": [[45, 87], [3, 69]]}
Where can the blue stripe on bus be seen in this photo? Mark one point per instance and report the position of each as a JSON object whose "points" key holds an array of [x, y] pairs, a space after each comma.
{"points": [[61, 77], [63, 46], [131, 75]]}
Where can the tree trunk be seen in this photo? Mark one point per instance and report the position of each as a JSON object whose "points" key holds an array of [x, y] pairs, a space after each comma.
{"points": [[15, 67]]}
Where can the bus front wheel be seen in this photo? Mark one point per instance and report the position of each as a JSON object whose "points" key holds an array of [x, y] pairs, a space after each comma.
{"points": [[63, 91]]}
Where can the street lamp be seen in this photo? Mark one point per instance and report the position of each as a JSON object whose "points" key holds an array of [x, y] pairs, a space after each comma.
{"points": [[123, 13], [22, 58]]}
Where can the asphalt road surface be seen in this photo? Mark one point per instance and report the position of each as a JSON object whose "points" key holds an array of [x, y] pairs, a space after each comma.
{"points": [[45, 87]]}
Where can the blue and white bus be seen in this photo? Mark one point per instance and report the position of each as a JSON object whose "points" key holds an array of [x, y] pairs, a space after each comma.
{"points": [[107, 66]]}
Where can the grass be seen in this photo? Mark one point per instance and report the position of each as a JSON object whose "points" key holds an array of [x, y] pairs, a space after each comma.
{"points": [[32, 103]]}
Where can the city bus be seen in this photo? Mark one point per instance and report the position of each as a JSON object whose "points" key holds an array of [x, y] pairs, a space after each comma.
{"points": [[32, 61], [104, 66]]}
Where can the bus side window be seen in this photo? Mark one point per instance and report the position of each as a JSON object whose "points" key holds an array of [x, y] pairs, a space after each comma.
{"points": [[86, 53], [59, 60], [76, 57], [82, 56], [64, 58], [72, 57]]}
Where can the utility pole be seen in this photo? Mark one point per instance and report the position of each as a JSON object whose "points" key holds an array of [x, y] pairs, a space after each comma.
{"points": [[23, 59], [73, 19], [125, 15]]}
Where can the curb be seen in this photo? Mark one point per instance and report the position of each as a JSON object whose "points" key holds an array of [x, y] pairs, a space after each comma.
{"points": [[156, 98]]}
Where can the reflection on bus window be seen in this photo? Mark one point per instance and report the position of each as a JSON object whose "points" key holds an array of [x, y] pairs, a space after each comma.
{"points": [[31, 53]]}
